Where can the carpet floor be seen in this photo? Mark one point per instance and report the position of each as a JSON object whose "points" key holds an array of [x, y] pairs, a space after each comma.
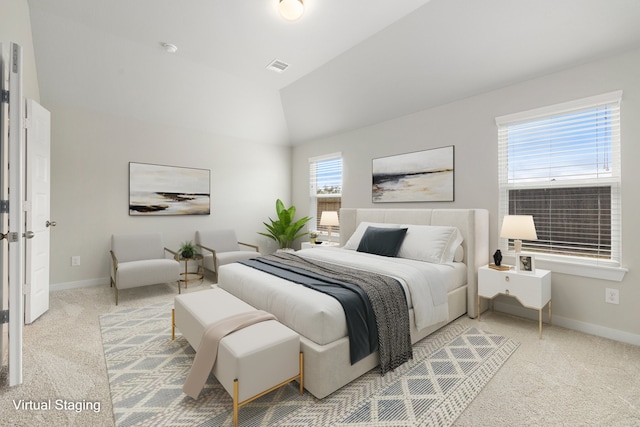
{"points": [[567, 378]]}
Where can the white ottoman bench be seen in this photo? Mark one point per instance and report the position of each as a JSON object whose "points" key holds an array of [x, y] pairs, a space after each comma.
{"points": [[252, 361]]}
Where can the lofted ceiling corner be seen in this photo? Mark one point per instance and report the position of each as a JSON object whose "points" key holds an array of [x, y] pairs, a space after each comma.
{"points": [[348, 64]]}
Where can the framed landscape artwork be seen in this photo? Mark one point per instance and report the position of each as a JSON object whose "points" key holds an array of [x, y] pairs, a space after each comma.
{"points": [[421, 176], [168, 190]]}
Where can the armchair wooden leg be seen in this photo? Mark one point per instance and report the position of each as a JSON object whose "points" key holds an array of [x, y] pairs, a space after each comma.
{"points": [[173, 324], [115, 287]]}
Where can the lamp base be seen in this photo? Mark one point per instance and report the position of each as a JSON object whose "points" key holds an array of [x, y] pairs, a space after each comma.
{"points": [[517, 245]]}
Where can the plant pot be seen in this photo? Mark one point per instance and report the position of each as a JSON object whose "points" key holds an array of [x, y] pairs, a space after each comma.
{"points": [[286, 250]]}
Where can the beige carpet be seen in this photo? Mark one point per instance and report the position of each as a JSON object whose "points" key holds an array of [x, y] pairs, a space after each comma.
{"points": [[567, 378]]}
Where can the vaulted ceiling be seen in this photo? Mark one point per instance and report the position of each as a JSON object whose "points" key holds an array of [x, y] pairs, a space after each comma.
{"points": [[351, 63]]}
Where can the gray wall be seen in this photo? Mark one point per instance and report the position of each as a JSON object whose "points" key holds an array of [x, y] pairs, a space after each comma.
{"points": [[469, 125], [15, 26], [90, 154], [90, 186]]}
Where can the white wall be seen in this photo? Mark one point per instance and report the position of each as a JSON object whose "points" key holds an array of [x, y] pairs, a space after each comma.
{"points": [[90, 186], [15, 26], [469, 125]]}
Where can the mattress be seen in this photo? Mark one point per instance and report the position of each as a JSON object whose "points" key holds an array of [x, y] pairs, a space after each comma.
{"points": [[319, 317]]}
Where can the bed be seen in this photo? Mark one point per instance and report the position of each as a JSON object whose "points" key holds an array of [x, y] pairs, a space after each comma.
{"points": [[320, 319]]}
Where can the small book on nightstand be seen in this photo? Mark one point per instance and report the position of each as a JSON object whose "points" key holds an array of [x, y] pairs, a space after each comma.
{"points": [[499, 267]]}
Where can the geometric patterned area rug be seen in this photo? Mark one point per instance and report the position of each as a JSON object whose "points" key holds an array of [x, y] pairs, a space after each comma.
{"points": [[147, 370]]}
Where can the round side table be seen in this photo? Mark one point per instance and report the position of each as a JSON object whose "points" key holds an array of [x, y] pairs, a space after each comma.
{"points": [[187, 276]]}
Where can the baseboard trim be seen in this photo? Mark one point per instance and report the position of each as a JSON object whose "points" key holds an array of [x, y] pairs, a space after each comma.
{"points": [[576, 325], [80, 284]]}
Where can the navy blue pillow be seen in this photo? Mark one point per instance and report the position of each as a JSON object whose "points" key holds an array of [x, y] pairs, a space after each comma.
{"points": [[382, 241]]}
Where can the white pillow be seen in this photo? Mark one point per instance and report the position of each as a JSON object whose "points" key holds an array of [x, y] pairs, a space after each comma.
{"points": [[430, 243], [459, 255], [354, 240]]}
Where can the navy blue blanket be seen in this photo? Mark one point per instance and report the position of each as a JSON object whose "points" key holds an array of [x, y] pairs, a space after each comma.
{"points": [[361, 325], [375, 306]]}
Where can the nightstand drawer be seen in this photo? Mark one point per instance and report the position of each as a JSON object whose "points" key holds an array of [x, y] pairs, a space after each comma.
{"points": [[531, 289]]}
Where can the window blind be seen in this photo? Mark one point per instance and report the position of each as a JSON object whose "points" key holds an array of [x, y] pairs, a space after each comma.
{"points": [[561, 164], [325, 186]]}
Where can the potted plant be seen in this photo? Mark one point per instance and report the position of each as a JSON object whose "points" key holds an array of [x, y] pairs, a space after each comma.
{"points": [[313, 235], [285, 229], [187, 249]]}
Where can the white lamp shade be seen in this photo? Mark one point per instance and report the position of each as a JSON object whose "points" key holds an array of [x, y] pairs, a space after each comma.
{"points": [[518, 227], [329, 218], [291, 10]]}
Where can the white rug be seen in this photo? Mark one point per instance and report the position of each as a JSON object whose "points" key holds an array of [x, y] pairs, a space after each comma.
{"points": [[147, 369]]}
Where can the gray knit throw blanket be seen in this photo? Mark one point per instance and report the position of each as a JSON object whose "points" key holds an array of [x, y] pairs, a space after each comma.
{"points": [[387, 299]]}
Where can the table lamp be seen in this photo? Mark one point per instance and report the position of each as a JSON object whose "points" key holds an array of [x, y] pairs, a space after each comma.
{"points": [[518, 227], [329, 218]]}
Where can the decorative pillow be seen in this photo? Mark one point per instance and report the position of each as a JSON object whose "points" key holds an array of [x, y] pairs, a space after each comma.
{"points": [[459, 254], [355, 238], [382, 241], [430, 243]]}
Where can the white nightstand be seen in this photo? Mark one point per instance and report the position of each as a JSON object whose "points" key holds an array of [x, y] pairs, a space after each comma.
{"points": [[532, 290], [309, 245]]}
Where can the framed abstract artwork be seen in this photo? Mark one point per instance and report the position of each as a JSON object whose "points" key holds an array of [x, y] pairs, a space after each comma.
{"points": [[421, 176], [168, 190]]}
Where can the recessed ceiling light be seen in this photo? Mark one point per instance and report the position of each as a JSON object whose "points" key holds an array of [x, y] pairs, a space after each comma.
{"points": [[170, 48]]}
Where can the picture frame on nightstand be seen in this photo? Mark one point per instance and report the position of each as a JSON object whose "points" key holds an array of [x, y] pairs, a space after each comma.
{"points": [[525, 263]]}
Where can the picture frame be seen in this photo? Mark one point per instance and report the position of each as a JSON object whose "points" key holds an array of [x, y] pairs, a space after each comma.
{"points": [[525, 263], [420, 176], [168, 190]]}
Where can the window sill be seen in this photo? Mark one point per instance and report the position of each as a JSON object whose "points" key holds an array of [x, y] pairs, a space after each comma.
{"points": [[614, 274]]}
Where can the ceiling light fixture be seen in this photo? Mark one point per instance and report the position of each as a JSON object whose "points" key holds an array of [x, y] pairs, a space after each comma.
{"points": [[170, 48], [291, 10]]}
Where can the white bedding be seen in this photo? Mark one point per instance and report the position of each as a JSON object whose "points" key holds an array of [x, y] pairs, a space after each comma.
{"points": [[320, 317]]}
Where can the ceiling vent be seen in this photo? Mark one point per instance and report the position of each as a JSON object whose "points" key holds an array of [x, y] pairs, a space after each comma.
{"points": [[277, 66]]}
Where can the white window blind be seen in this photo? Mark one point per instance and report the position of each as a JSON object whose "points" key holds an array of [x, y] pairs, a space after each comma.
{"points": [[561, 164], [325, 187]]}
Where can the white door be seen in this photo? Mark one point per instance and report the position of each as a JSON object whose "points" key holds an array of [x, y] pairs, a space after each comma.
{"points": [[37, 202], [15, 183]]}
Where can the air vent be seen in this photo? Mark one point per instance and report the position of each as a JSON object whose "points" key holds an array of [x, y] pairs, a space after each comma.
{"points": [[277, 66]]}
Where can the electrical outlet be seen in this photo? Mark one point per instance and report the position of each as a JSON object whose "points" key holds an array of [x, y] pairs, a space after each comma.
{"points": [[612, 296], [75, 260]]}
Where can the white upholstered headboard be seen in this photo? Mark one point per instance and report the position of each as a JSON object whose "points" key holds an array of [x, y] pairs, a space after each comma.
{"points": [[472, 223]]}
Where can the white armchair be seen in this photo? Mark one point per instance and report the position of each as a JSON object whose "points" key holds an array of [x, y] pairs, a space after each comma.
{"points": [[220, 247], [141, 260]]}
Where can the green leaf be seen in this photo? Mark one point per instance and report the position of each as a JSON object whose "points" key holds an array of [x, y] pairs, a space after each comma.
{"points": [[285, 230]]}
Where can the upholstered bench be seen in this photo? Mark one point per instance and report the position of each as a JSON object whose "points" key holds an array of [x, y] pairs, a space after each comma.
{"points": [[251, 361]]}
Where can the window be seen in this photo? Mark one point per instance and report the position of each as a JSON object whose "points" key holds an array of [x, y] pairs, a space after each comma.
{"points": [[561, 164], [325, 188]]}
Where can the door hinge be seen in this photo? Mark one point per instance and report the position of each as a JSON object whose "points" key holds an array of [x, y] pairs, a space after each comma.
{"points": [[4, 206], [5, 96], [11, 236], [4, 317]]}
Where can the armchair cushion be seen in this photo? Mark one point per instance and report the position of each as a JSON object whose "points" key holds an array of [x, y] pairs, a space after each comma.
{"points": [[147, 272], [226, 246], [218, 240], [136, 247], [140, 260]]}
